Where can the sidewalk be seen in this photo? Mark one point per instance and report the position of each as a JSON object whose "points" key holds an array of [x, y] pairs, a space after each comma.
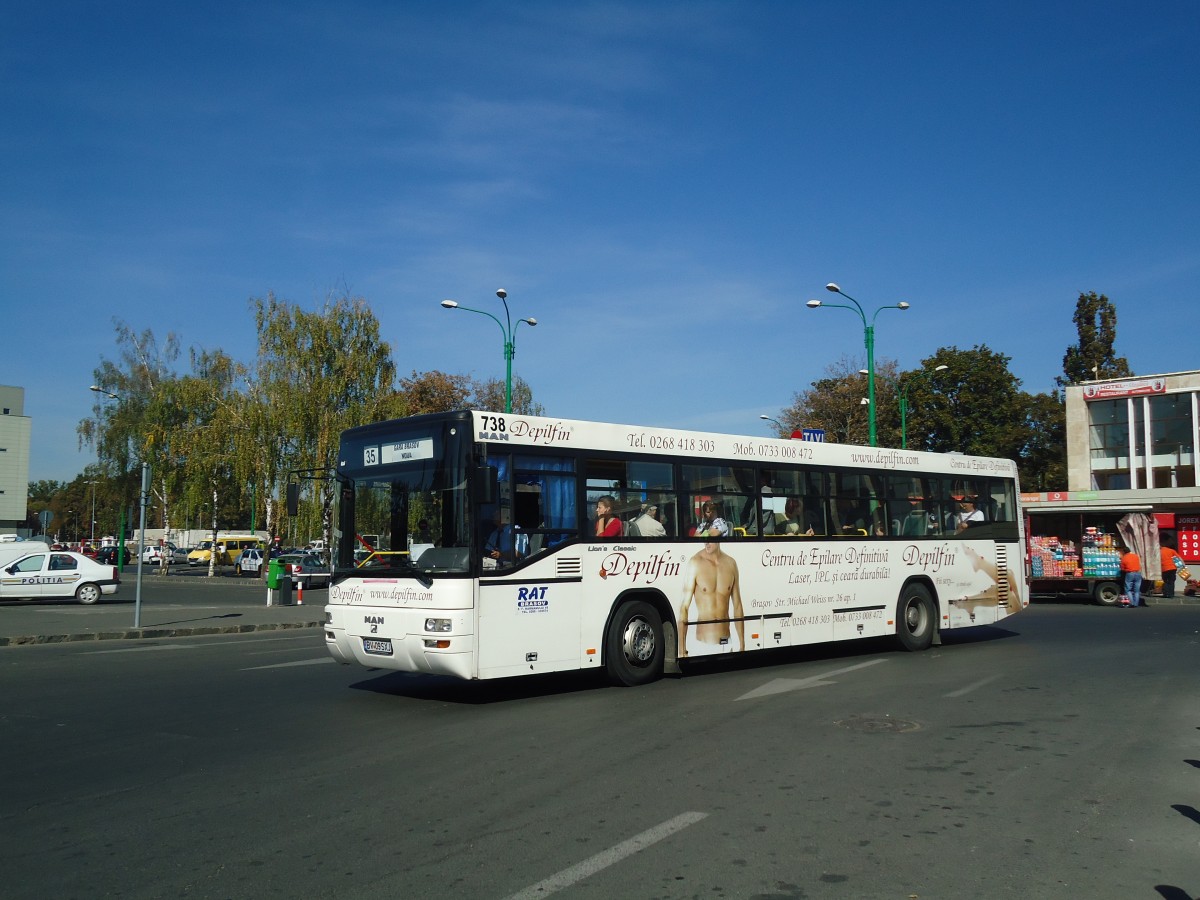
{"points": [[171, 607]]}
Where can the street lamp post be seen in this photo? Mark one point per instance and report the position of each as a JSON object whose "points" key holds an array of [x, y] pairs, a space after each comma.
{"points": [[924, 373], [869, 338], [774, 422], [145, 491], [93, 537], [508, 329]]}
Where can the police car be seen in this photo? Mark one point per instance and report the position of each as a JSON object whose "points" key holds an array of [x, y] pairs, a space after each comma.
{"points": [[57, 573]]}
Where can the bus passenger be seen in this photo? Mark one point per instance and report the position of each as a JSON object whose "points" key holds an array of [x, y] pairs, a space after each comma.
{"points": [[969, 515], [711, 524], [647, 524], [797, 522], [607, 524], [506, 541]]}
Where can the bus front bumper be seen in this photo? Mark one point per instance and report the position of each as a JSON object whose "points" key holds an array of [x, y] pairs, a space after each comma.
{"points": [[406, 648]]}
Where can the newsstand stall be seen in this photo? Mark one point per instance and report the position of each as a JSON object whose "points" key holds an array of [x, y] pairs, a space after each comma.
{"points": [[1186, 528], [1077, 552]]}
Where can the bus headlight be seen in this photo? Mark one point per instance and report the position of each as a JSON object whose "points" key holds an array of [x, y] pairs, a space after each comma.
{"points": [[437, 624]]}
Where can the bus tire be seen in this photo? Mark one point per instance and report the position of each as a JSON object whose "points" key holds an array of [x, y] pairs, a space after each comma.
{"points": [[634, 645], [916, 618], [1107, 593]]}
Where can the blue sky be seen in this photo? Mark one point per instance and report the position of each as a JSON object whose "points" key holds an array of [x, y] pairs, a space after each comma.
{"points": [[662, 185]]}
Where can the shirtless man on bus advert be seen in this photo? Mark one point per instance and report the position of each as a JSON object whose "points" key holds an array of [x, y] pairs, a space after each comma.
{"points": [[711, 579]]}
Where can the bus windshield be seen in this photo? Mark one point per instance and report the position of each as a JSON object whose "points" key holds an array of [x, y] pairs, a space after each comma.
{"points": [[403, 501]]}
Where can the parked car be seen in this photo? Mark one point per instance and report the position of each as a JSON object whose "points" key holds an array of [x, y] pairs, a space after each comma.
{"points": [[107, 556], [154, 555], [248, 562], [180, 554], [228, 549], [58, 574], [306, 569]]}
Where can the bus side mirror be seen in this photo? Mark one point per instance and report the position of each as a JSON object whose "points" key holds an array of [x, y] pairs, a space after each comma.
{"points": [[293, 498], [487, 484]]}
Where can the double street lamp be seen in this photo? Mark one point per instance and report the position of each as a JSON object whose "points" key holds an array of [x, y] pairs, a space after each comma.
{"points": [[923, 373], [508, 329], [869, 338]]}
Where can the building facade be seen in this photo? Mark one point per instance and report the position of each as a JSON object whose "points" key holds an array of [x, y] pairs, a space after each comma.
{"points": [[15, 428], [1131, 447]]}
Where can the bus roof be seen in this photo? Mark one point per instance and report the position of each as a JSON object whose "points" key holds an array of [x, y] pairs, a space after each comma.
{"points": [[512, 429], [515, 430]]}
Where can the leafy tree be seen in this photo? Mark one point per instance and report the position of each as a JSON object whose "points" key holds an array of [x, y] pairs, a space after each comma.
{"points": [[430, 392], [1042, 460], [41, 496], [133, 412], [975, 406], [488, 394], [203, 449], [1093, 357], [835, 403], [323, 371], [119, 426]]}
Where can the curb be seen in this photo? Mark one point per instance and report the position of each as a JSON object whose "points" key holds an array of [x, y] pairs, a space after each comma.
{"points": [[138, 633]]}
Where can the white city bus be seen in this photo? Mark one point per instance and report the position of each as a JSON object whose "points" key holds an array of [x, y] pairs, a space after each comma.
{"points": [[485, 559]]}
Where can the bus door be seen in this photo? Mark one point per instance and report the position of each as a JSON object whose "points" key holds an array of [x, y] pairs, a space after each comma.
{"points": [[530, 597]]}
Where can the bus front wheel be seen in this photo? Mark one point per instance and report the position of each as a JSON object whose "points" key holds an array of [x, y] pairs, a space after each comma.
{"points": [[916, 618], [634, 645]]}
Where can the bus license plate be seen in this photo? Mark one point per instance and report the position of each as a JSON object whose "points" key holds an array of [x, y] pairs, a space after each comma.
{"points": [[377, 646]]}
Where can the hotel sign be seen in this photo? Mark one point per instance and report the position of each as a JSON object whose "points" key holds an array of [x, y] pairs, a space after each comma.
{"points": [[1135, 388]]}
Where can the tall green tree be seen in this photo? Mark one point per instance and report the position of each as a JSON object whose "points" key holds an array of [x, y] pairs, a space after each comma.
{"points": [[975, 406], [1042, 460], [132, 412], [1093, 356], [204, 449], [323, 371]]}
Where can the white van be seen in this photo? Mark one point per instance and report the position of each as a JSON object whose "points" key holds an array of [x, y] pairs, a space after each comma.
{"points": [[10, 551]]}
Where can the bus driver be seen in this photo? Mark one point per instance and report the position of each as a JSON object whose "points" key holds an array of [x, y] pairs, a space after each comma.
{"points": [[711, 579]]}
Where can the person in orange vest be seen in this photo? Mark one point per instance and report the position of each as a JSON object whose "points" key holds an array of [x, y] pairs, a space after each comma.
{"points": [[1169, 564], [1131, 565]]}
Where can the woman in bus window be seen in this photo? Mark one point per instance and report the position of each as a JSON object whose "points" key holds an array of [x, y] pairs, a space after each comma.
{"points": [[607, 524], [711, 524]]}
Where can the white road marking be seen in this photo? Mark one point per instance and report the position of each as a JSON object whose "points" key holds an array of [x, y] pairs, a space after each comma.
{"points": [[972, 687], [199, 646], [299, 662], [602, 860], [142, 649], [782, 685]]}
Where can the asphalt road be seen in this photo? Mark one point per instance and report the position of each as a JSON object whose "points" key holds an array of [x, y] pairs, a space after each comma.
{"points": [[1054, 757]]}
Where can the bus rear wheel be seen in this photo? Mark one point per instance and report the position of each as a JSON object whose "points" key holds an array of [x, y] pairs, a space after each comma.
{"points": [[634, 645], [916, 617]]}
